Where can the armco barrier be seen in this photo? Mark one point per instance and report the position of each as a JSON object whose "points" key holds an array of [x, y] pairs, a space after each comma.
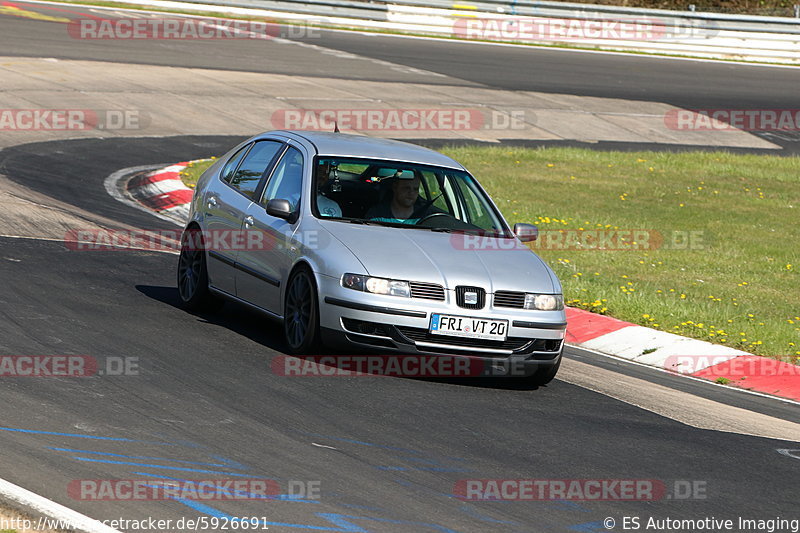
{"points": [[685, 33]]}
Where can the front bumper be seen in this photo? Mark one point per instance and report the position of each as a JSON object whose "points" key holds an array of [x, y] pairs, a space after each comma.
{"points": [[387, 323]]}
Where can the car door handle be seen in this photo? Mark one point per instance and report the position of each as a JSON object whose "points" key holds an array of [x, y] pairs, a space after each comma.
{"points": [[212, 202], [248, 221]]}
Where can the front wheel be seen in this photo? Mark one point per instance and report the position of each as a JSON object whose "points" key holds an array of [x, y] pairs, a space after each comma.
{"points": [[193, 275], [545, 375], [301, 313]]}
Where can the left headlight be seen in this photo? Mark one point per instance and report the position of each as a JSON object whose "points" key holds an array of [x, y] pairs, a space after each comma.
{"points": [[544, 302], [389, 287]]}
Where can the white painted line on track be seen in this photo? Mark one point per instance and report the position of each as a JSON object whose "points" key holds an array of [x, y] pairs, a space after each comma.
{"points": [[323, 446], [686, 376], [35, 504]]}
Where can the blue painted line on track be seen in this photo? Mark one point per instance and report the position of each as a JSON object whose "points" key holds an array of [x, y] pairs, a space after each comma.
{"points": [[362, 507], [203, 508], [589, 527], [471, 511], [147, 465], [82, 436], [572, 506], [422, 468], [230, 462], [91, 452]]}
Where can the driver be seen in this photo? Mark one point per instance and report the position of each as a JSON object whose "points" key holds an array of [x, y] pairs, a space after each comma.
{"points": [[326, 206], [402, 206]]}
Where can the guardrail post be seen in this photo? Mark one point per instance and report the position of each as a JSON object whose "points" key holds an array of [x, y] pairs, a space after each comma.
{"points": [[692, 7], [797, 11]]}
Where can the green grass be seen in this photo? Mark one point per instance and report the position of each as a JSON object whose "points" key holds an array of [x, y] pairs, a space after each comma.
{"points": [[738, 286], [745, 278], [192, 173]]}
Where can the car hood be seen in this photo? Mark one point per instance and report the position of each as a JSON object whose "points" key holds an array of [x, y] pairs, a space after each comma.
{"points": [[444, 258]]}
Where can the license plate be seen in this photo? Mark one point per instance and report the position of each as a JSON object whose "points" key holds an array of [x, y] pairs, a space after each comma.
{"points": [[465, 326]]}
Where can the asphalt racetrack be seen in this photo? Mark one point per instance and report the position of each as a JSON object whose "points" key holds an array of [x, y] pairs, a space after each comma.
{"points": [[200, 399]]}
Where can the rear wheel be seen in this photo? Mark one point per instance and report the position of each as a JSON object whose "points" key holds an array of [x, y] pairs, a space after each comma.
{"points": [[193, 274], [301, 313]]}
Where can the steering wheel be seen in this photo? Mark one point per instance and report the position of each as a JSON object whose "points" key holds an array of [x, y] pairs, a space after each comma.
{"points": [[432, 215]]}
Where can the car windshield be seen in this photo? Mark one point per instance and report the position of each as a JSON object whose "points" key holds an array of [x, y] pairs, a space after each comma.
{"points": [[403, 195]]}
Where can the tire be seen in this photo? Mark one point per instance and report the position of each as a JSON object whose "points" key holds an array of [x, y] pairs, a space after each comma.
{"points": [[543, 376], [301, 314], [193, 274]]}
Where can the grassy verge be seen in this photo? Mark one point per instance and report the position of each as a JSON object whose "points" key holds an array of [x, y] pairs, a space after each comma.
{"points": [[721, 260], [192, 173]]}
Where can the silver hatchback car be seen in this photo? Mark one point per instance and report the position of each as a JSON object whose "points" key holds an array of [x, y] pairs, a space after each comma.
{"points": [[374, 244]]}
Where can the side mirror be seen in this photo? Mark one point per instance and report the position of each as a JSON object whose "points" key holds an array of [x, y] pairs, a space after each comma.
{"points": [[280, 208], [526, 232]]}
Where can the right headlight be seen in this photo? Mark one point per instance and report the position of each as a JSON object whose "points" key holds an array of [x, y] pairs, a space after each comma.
{"points": [[390, 287], [544, 302]]}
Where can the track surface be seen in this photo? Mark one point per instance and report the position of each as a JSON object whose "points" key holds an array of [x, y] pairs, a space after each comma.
{"points": [[387, 452]]}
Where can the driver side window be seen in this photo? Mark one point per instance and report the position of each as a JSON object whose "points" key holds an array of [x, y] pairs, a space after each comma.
{"points": [[287, 180], [248, 175]]}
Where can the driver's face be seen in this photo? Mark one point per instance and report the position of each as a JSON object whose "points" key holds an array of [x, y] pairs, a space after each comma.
{"points": [[406, 192]]}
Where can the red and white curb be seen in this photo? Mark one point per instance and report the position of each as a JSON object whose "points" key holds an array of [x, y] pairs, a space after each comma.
{"points": [[163, 191], [682, 355]]}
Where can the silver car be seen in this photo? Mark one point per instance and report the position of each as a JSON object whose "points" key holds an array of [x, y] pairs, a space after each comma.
{"points": [[374, 244]]}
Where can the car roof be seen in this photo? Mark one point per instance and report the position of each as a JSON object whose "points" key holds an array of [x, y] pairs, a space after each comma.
{"points": [[348, 145]]}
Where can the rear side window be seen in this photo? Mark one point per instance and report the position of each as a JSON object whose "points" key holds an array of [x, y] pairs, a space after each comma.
{"points": [[248, 175], [233, 162]]}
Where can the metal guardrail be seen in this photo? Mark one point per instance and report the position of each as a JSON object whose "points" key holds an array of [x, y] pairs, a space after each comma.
{"points": [[688, 33]]}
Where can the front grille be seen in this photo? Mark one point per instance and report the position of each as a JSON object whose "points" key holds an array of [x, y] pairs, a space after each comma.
{"points": [[461, 292], [511, 299], [516, 344], [426, 291]]}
